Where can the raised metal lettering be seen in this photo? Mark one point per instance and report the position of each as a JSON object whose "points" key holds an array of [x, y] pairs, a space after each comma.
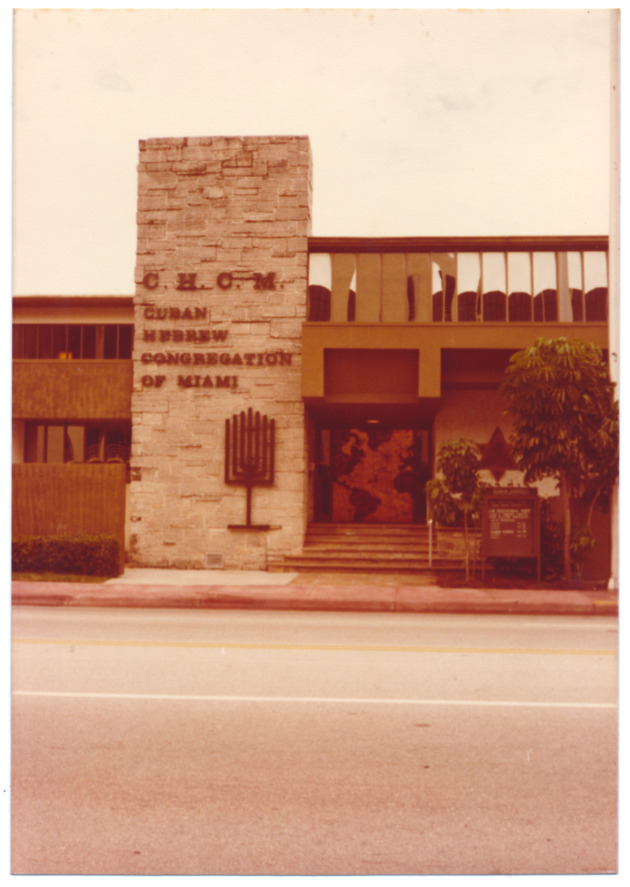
{"points": [[187, 281], [150, 280], [265, 282]]}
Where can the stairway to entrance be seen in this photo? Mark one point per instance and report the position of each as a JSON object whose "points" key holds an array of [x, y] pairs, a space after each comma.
{"points": [[381, 548]]}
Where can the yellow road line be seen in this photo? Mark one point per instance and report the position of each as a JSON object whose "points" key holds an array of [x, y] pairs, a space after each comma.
{"points": [[352, 648]]}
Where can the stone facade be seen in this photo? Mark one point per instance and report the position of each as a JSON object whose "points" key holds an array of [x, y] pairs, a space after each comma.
{"points": [[221, 283]]}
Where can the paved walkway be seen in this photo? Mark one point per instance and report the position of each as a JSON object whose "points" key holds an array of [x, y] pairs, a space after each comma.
{"points": [[223, 589]]}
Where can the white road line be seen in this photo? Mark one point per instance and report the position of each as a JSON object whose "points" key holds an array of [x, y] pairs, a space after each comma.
{"points": [[159, 697]]}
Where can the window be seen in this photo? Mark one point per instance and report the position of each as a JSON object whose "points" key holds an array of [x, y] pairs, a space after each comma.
{"points": [[443, 285], [468, 285], [61, 341], [493, 285], [318, 303], [411, 297], [595, 286], [545, 286], [69, 442], [54, 442], [352, 306], [519, 286]]}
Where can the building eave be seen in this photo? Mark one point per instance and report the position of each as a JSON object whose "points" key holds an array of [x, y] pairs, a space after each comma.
{"points": [[456, 244]]}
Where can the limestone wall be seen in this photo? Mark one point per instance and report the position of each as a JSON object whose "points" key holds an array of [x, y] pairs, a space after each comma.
{"points": [[221, 281]]}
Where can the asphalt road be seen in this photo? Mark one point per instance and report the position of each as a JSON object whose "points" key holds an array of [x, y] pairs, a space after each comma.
{"points": [[225, 742]]}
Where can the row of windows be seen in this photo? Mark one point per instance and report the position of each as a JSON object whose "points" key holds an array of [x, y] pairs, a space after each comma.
{"points": [[518, 306], [87, 341], [470, 306], [70, 442], [493, 286]]}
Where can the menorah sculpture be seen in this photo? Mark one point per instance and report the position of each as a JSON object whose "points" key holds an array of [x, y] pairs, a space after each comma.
{"points": [[249, 457]]}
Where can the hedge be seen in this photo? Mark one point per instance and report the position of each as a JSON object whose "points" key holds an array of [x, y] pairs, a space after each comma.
{"points": [[84, 555]]}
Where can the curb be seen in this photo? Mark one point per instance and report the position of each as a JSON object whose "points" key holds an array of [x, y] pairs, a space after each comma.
{"points": [[391, 599]]}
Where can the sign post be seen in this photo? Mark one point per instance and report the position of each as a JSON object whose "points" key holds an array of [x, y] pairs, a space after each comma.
{"points": [[510, 519]]}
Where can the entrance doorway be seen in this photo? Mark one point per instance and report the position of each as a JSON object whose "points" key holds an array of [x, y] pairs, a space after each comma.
{"points": [[371, 474]]}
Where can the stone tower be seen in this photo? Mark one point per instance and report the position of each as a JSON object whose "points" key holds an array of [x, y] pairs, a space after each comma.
{"points": [[221, 283]]}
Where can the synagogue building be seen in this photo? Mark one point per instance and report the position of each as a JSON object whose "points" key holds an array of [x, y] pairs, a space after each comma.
{"points": [[263, 386]]}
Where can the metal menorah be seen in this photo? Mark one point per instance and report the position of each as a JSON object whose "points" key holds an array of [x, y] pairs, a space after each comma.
{"points": [[249, 456]]}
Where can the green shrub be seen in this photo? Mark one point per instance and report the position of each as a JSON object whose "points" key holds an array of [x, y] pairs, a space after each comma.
{"points": [[443, 507], [84, 555]]}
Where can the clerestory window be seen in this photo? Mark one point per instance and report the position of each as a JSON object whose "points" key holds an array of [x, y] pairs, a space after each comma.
{"points": [[72, 341]]}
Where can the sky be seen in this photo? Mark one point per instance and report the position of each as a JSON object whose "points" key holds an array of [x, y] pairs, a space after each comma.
{"points": [[422, 122]]}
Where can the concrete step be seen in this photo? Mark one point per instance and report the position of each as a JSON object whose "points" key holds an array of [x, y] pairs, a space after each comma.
{"points": [[395, 557], [305, 564], [307, 561], [383, 548], [367, 545], [407, 533], [367, 530], [405, 547]]}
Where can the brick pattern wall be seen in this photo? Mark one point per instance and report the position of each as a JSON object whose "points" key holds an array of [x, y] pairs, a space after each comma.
{"points": [[221, 282]]}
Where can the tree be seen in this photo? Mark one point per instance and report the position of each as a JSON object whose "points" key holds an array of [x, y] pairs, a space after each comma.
{"points": [[457, 492], [565, 421]]}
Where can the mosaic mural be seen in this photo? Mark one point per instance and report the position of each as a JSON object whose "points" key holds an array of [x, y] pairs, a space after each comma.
{"points": [[377, 476]]}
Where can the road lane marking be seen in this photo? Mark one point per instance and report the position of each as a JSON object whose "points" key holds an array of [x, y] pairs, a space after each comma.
{"points": [[160, 697], [351, 648]]}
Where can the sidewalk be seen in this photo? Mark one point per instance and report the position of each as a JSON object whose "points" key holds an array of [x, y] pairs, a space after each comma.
{"points": [[222, 589]]}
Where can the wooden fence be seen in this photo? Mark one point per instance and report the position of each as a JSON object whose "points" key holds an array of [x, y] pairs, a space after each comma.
{"points": [[69, 500]]}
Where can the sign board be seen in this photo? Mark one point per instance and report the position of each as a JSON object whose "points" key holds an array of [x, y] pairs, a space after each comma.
{"points": [[511, 523]]}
